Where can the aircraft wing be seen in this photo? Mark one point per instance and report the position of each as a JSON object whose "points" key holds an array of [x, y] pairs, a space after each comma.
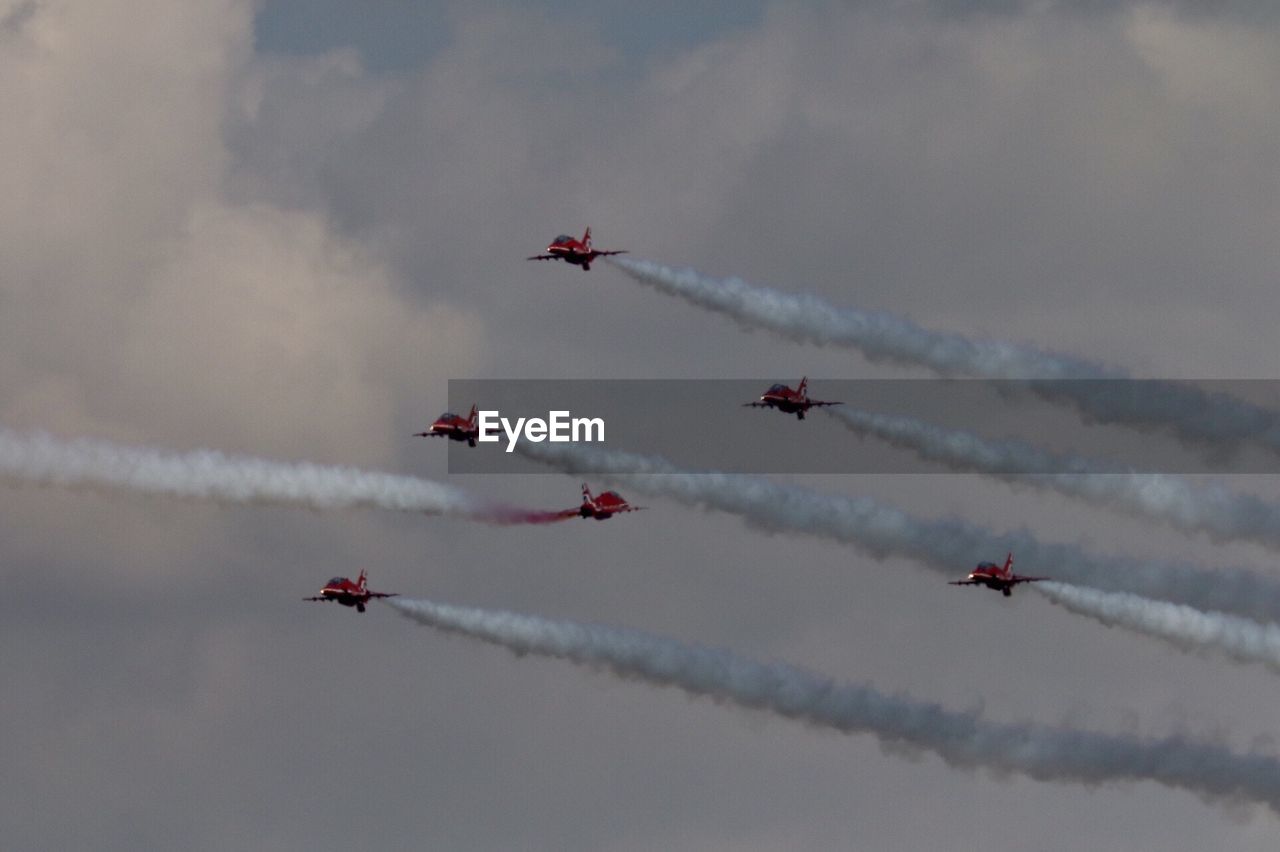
{"points": [[607, 253], [542, 257], [963, 583], [321, 598], [384, 594], [757, 405], [819, 402], [428, 434], [1018, 579]]}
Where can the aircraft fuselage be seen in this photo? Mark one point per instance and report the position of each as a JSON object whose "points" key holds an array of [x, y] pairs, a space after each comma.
{"points": [[571, 256], [786, 405], [996, 584]]}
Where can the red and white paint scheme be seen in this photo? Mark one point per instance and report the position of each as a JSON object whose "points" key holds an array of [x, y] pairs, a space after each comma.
{"points": [[994, 577], [604, 506], [576, 252], [347, 593], [789, 401], [453, 427]]}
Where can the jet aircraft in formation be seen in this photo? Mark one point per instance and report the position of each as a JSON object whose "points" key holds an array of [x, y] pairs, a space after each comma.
{"points": [[609, 503], [575, 252], [789, 401], [994, 577], [347, 593]]}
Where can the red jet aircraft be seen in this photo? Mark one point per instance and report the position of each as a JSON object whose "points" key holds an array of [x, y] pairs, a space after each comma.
{"points": [[994, 577], [347, 593], [789, 401], [604, 506], [576, 252], [453, 427]]}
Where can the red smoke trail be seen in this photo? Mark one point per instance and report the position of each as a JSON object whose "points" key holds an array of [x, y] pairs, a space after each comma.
{"points": [[516, 516]]}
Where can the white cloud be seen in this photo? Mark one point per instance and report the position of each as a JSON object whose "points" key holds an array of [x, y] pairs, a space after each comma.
{"points": [[142, 297]]}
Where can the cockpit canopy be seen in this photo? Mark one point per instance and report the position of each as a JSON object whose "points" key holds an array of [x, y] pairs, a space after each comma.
{"points": [[778, 389], [987, 566], [563, 238], [336, 581]]}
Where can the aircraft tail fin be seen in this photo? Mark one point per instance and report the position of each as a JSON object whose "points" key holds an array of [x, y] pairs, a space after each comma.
{"points": [[586, 493], [803, 389], [471, 418], [586, 239], [360, 583], [1008, 564]]}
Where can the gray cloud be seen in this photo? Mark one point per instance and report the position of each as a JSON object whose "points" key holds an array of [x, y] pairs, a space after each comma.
{"points": [[287, 256]]}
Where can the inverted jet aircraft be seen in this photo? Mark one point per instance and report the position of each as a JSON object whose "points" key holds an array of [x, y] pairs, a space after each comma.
{"points": [[789, 401], [994, 577], [347, 593], [604, 506], [576, 252]]}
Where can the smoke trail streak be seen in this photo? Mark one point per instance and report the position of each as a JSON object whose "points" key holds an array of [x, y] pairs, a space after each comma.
{"points": [[42, 459], [1190, 413], [1210, 508], [1189, 629], [949, 546], [879, 336], [961, 738]]}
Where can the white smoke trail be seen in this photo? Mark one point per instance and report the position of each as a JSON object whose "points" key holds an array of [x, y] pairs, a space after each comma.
{"points": [[39, 458], [1210, 508], [950, 546], [961, 738], [1190, 629], [879, 336], [1093, 389]]}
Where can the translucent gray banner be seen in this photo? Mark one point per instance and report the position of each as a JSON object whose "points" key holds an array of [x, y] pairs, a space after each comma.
{"points": [[895, 426]]}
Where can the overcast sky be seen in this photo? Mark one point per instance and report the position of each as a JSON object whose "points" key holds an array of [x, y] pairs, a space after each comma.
{"points": [[280, 228]]}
